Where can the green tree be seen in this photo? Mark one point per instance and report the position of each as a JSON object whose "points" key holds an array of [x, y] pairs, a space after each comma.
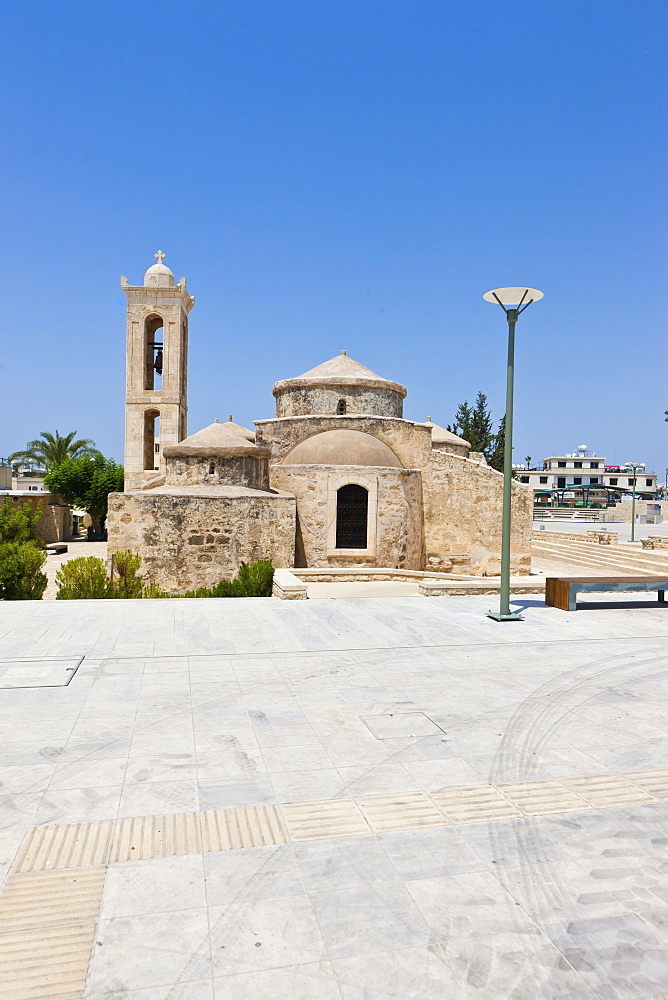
{"points": [[497, 450], [474, 424], [18, 523], [53, 450], [86, 482]]}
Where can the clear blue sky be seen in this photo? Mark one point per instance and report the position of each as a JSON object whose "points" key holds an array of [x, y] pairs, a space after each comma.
{"points": [[341, 175]]}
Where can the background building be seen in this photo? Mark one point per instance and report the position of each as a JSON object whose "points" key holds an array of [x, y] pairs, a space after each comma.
{"points": [[584, 468]]}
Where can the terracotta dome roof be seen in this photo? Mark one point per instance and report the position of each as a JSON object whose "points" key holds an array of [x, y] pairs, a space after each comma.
{"points": [[216, 440], [342, 447], [340, 371], [439, 435]]}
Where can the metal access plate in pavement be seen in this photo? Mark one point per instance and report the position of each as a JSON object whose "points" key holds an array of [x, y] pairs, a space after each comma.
{"points": [[51, 671]]}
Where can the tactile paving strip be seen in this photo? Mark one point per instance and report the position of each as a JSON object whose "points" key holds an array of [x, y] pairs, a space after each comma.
{"points": [[47, 928], [606, 791], [481, 803], [538, 798], [411, 811], [655, 782], [138, 838], [231, 829], [319, 820], [74, 845], [82, 845]]}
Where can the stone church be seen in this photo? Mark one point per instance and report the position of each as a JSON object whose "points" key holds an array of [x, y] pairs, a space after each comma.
{"points": [[337, 478]]}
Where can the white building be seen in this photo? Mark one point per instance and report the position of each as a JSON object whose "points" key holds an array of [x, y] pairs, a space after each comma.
{"points": [[584, 468]]}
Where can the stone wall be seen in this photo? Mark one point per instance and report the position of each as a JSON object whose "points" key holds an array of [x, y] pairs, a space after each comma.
{"points": [[463, 503], [395, 504], [297, 401], [232, 470], [410, 442], [190, 541]]}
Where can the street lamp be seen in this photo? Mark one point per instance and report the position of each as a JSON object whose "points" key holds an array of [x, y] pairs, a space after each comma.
{"points": [[513, 301], [634, 466]]}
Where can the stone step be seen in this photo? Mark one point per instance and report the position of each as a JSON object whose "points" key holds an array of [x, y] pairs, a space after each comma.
{"points": [[609, 557]]}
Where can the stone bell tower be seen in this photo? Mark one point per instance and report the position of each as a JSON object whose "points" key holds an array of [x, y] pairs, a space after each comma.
{"points": [[156, 370]]}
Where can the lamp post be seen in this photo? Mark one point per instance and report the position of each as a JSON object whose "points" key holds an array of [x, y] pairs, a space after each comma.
{"points": [[513, 301], [634, 466]]}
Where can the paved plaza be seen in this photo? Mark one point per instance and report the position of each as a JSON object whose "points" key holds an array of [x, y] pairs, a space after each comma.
{"points": [[381, 798]]}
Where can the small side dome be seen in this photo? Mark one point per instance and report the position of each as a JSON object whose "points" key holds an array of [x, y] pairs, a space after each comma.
{"points": [[445, 440], [159, 274], [243, 431], [342, 448], [215, 441]]}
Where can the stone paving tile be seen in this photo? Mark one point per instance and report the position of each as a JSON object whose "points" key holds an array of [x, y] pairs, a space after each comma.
{"points": [[418, 854], [252, 873], [369, 918], [264, 934], [521, 964], [312, 981], [618, 957], [421, 973], [149, 950], [279, 694], [344, 863]]}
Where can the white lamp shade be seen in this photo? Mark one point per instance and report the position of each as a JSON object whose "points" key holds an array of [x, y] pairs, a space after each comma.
{"points": [[513, 296]]}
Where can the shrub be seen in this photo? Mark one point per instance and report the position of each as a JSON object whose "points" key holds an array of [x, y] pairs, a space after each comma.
{"points": [[152, 591], [17, 524], [21, 577], [255, 579], [125, 582], [82, 579]]}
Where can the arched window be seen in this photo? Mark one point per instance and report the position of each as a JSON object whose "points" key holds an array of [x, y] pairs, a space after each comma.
{"points": [[352, 509], [151, 440], [341, 406]]}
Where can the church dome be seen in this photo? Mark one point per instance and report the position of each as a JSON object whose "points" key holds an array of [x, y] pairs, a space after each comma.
{"points": [[342, 447], [340, 371], [159, 274], [215, 441], [339, 386]]}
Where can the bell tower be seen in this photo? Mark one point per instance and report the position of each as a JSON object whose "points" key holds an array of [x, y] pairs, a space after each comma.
{"points": [[156, 370]]}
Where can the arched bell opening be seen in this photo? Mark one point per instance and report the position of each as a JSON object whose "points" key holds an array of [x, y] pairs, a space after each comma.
{"points": [[352, 517], [153, 352], [341, 407]]}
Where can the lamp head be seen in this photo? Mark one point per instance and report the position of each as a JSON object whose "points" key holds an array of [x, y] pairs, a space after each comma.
{"points": [[517, 297]]}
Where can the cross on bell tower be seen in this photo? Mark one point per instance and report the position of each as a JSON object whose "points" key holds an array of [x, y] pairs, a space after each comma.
{"points": [[156, 404]]}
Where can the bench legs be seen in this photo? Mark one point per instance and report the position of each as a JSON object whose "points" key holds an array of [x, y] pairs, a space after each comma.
{"points": [[662, 597], [572, 597]]}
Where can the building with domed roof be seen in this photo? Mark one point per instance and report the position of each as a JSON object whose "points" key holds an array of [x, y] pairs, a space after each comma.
{"points": [[337, 478]]}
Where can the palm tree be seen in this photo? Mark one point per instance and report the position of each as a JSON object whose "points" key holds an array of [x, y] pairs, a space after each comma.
{"points": [[53, 450]]}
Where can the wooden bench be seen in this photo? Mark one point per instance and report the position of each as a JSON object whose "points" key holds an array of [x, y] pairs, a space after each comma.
{"points": [[561, 591], [56, 548]]}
